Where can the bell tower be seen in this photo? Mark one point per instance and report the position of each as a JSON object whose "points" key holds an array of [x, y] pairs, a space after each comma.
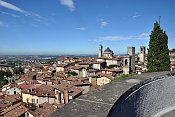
{"points": [[100, 51], [142, 53]]}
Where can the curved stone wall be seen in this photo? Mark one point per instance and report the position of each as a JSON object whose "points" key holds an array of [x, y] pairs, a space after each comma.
{"points": [[150, 98]]}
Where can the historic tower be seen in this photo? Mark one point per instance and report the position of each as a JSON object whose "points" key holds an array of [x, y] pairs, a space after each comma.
{"points": [[100, 51], [142, 53], [131, 53]]}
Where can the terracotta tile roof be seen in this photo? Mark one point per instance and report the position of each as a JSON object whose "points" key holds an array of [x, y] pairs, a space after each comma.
{"points": [[14, 111], [71, 79], [4, 104], [81, 83], [41, 90], [113, 70], [62, 74], [106, 75], [25, 86], [45, 110], [61, 65], [41, 93], [64, 86], [9, 85], [46, 87], [74, 91], [13, 98], [84, 63], [97, 62], [35, 86], [76, 67], [46, 94]]}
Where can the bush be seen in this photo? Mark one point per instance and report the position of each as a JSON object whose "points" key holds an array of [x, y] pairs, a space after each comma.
{"points": [[72, 73]]}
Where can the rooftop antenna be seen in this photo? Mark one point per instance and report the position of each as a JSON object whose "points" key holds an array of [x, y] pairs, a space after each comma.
{"points": [[159, 19]]}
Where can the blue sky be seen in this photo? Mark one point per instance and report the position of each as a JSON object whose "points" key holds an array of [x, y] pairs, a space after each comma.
{"points": [[79, 26]]}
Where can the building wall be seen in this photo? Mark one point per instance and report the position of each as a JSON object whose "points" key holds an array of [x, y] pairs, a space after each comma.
{"points": [[52, 100], [142, 54], [59, 96], [100, 59], [93, 80], [84, 73], [37, 100], [5, 88], [126, 70], [131, 52], [100, 51], [102, 81], [96, 66], [58, 69], [12, 91], [41, 100], [85, 66], [28, 98], [107, 55], [172, 59], [111, 62]]}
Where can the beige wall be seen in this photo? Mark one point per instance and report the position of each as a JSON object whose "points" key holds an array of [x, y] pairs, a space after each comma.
{"points": [[102, 81], [111, 62], [126, 70], [28, 97], [37, 100], [58, 69]]}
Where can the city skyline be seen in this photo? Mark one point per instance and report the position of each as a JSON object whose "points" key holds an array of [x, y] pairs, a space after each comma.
{"points": [[78, 27]]}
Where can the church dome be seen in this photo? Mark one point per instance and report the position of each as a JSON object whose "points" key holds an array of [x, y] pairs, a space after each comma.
{"points": [[107, 50]]}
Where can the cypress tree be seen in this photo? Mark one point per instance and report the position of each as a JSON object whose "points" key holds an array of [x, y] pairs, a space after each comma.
{"points": [[158, 52]]}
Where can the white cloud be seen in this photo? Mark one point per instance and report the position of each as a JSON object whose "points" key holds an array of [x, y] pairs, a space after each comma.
{"points": [[10, 14], [11, 6], [15, 8], [40, 21], [69, 4], [143, 36], [82, 28], [103, 24], [136, 15], [2, 24]]}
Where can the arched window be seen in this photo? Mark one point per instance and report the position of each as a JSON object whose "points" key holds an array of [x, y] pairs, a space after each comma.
{"points": [[126, 62]]}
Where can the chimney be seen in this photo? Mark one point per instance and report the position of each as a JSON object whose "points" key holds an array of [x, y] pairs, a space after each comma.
{"points": [[66, 96]]}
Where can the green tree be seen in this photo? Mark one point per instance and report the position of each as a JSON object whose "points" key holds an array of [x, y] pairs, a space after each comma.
{"points": [[3, 81], [8, 73], [173, 50], [112, 66], [72, 73], [158, 52], [18, 70]]}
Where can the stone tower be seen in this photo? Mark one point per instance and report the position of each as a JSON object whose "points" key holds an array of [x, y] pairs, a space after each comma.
{"points": [[142, 54], [131, 53], [100, 51]]}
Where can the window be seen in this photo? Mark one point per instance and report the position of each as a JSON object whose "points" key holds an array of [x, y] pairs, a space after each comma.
{"points": [[27, 114], [33, 100]]}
